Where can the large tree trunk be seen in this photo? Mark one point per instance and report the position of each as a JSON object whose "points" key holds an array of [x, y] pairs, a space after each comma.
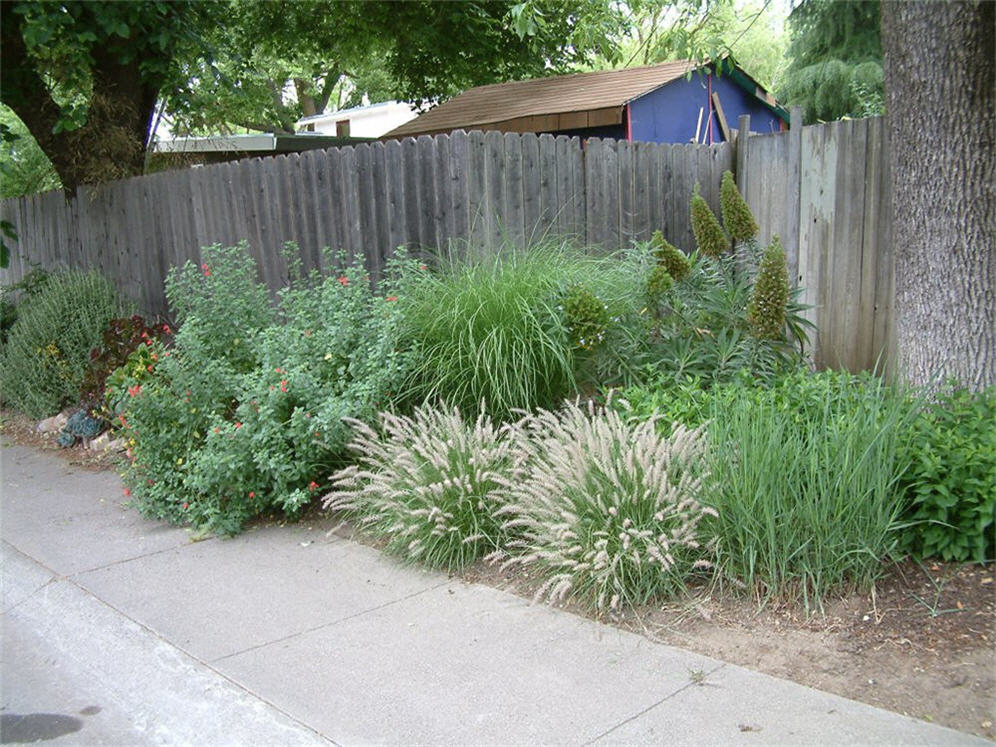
{"points": [[111, 144], [941, 103]]}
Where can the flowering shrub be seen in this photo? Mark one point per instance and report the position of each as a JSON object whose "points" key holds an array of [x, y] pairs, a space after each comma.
{"points": [[668, 256], [120, 339], [429, 484], [607, 511], [222, 433], [737, 217]]}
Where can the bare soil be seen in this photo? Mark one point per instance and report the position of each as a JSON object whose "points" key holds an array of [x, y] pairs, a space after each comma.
{"points": [[921, 643]]}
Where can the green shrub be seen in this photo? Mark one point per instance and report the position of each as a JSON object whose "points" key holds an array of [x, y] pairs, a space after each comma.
{"points": [[607, 512], [430, 485], [119, 340], [586, 317], [222, 433], [47, 352], [495, 331], [805, 480], [710, 238], [15, 293], [951, 481]]}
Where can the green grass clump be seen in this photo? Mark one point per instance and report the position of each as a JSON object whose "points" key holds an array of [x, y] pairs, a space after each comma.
{"points": [[47, 352], [804, 478], [495, 331], [429, 484]]}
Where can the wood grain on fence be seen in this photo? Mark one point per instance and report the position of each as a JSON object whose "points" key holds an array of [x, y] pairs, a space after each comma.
{"points": [[822, 189]]}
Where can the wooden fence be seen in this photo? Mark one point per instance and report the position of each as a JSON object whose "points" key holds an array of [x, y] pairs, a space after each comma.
{"points": [[824, 190], [478, 190]]}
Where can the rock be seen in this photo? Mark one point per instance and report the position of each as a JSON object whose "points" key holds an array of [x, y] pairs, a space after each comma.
{"points": [[104, 442], [53, 424]]}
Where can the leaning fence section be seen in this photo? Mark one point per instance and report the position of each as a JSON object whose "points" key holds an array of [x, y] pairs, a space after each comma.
{"points": [[824, 190]]}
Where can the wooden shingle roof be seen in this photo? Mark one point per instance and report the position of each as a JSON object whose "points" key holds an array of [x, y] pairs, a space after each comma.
{"points": [[600, 94]]}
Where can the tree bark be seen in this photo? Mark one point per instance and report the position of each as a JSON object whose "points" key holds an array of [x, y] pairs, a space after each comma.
{"points": [[941, 103], [111, 144]]}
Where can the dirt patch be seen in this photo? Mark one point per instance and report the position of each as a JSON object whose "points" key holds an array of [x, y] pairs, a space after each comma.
{"points": [[22, 430], [921, 644]]}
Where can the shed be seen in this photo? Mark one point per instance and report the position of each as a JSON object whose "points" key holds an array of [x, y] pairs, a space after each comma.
{"points": [[675, 102]]}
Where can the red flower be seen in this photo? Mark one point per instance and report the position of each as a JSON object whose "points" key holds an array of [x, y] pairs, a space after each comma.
{"points": [[312, 486], [252, 494], [123, 421], [167, 330], [343, 280], [127, 492], [186, 506], [149, 367], [278, 370], [134, 390], [155, 357], [283, 385], [238, 424], [206, 271], [422, 267], [391, 298]]}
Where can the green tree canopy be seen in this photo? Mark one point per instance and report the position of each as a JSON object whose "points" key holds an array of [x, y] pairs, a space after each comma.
{"points": [[835, 60]]}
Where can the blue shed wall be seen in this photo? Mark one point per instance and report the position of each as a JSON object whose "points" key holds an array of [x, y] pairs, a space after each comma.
{"points": [[669, 114]]}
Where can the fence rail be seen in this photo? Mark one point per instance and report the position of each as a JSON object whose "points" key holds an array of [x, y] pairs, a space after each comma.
{"points": [[824, 190]]}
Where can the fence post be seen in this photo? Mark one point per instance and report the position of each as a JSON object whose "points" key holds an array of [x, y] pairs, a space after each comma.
{"points": [[740, 156], [791, 242]]}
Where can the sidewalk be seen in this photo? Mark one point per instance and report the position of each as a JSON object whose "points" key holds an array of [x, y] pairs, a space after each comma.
{"points": [[117, 630]]}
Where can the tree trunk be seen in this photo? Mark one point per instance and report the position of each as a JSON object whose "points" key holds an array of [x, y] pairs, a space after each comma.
{"points": [[111, 144], [940, 93]]}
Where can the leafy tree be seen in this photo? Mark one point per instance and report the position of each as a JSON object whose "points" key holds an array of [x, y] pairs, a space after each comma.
{"points": [[942, 157], [84, 77], [24, 168], [835, 67]]}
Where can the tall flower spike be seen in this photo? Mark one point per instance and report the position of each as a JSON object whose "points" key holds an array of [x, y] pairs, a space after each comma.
{"points": [[737, 217], [766, 311], [709, 235], [669, 257]]}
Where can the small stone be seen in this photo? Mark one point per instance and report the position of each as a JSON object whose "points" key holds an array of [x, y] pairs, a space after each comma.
{"points": [[53, 424]]}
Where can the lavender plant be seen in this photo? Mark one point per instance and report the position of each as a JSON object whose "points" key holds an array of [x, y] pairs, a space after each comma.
{"points": [[606, 511]]}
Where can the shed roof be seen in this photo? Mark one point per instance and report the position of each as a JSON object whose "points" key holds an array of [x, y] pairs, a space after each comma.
{"points": [[580, 92]]}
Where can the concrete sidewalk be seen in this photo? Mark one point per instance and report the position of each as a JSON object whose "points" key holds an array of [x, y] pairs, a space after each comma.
{"points": [[117, 630]]}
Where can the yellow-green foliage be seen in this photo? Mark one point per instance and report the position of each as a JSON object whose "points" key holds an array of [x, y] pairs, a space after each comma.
{"points": [[658, 284], [766, 311], [669, 257], [737, 217], [709, 235]]}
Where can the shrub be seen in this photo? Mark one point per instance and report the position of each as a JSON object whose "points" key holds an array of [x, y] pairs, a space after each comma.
{"points": [[608, 512], [586, 317], [770, 298], [119, 340], [430, 485], [491, 331], [804, 478], [737, 217], [950, 485], [47, 352], [709, 235], [222, 433], [13, 294]]}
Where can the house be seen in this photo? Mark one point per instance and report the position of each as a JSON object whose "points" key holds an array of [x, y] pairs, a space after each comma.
{"points": [[676, 102], [371, 120], [186, 151]]}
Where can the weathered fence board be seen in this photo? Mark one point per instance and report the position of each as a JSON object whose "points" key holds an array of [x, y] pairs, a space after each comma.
{"points": [[824, 190]]}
